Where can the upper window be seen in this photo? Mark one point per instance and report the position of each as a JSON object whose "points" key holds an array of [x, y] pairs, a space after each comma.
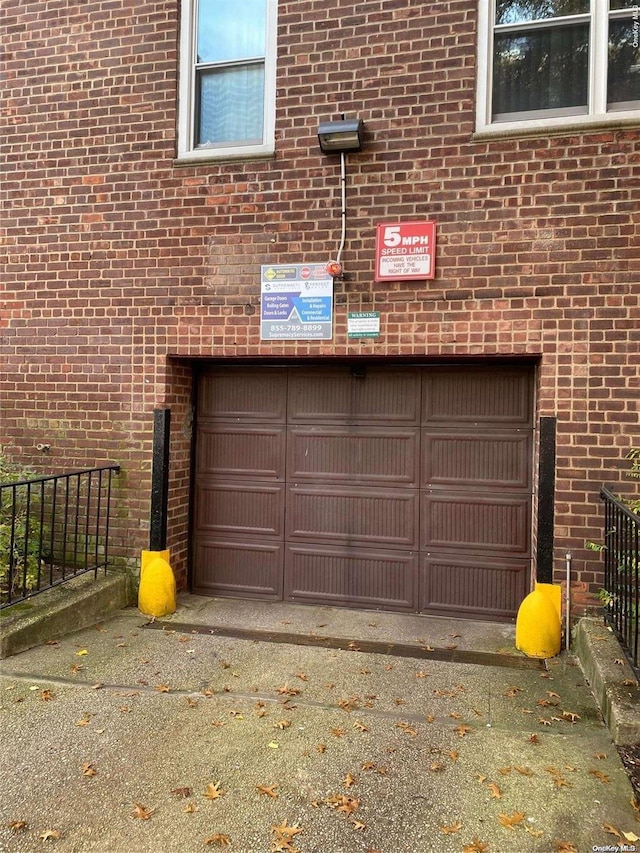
{"points": [[545, 63], [227, 78]]}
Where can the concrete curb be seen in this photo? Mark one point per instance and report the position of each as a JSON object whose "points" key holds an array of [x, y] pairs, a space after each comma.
{"points": [[614, 685], [69, 607]]}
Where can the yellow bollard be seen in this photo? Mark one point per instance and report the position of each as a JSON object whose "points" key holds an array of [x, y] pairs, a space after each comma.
{"points": [[157, 590], [538, 627]]}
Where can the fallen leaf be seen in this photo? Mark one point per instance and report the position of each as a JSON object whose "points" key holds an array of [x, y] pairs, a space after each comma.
{"points": [[285, 690], [513, 691], [611, 830], [190, 808], [565, 847], [569, 715], [619, 661], [358, 826], [285, 831], [82, 652], [349, 780], [451, 828], [50, 835], [462, 730], [219, 839], [533, 739], [47, 696], [268, 790], [509, 821], [273, 745], [535, 832], [88, 770], [422, 674], [496, 793], [453, 755], [436, 766], [142, 812], [212, 791], [360, 727], [600, 755], [523, 771], [338, 732], [302, 676], [321, 747], [17, 825], [342, 803], [561, 782], [282, 724], [476, 846], [182, 792], [162, 688], [631, 836], [601, 776]]}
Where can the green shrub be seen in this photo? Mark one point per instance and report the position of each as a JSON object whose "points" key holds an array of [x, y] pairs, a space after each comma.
{"points": [[20, 534]]}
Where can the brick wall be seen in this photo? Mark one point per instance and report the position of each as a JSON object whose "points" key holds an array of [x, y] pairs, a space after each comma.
{"points": [[120, 267]]}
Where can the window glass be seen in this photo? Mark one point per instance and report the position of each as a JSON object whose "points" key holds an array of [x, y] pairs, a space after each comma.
{"points": [[229, 30], [231, 105], [520, 11], [630, 5], [541, 69], [623, 80]]}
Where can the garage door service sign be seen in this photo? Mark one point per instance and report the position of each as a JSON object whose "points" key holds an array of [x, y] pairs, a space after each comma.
{"points": [[296, 303]]}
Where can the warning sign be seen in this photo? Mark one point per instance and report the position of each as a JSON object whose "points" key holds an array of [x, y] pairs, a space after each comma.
{"points": [[405, 250]]}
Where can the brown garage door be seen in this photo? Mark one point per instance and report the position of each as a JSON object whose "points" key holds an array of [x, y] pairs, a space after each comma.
{"points": [[397, 488]]}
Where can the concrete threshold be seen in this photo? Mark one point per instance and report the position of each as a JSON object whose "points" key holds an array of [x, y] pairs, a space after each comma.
{"points": [[407, 650]]}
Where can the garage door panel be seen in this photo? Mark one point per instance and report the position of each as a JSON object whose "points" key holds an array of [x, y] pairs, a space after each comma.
{"points": [[247, 508], [388, 487], [353, 516], [231, 450], [243, 394], [238, 567], [340, 396], [365, 577], [375, 456], [453, 585], [472, 522], [453, 396], [482, 460]]}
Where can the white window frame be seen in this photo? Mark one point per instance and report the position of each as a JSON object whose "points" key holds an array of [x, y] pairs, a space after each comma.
{"points": [[188, 151], [596, 113]]}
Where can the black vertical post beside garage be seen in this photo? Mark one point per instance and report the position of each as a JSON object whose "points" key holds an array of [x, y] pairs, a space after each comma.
{"points": [[160, 479], [546, 499]]}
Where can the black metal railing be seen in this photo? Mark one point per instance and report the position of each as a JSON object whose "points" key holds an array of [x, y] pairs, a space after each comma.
{"points": [[52, 529], [621, 570]]}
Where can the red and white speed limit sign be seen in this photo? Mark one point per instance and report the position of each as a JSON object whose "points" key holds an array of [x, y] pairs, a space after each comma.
{"points": [[405, 250]]}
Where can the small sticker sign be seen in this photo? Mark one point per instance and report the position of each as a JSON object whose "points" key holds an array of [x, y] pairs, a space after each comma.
{"points": [[363, 324], [405, 251]]}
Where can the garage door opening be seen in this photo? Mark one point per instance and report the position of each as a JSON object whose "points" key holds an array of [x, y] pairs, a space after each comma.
{"points": [[398, 488]]}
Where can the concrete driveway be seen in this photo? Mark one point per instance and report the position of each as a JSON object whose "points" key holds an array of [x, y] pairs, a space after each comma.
{"points": [[182, 737]]}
